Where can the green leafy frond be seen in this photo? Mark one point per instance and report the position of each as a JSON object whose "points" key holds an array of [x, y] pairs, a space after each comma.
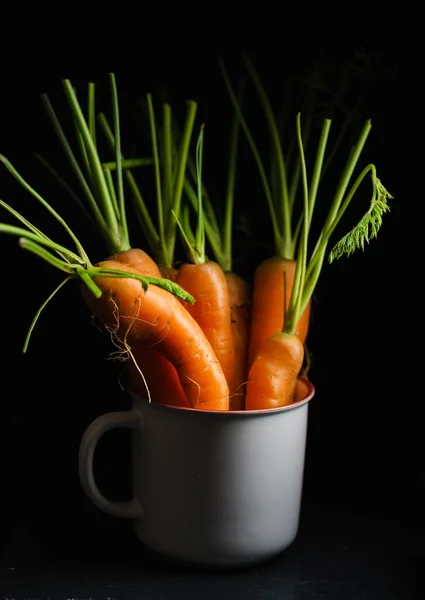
{"points": [[368, 226]]}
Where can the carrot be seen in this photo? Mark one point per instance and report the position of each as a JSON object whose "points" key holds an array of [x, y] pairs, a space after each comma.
{"points": [[160, 320], [267, 298], [280, 188], [149, 371], [239, 298], [138, 259], [273, 375], [274, 372], [205, 281], [169, 273], [219, 235], [106, 209], [268, 302], [160, 379], [76, 263], [169, 162]]}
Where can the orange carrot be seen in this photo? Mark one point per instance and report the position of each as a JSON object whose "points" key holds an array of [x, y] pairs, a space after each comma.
{"points": [[207, 283], [140, 260], [219, 230], [280, 192], [239, 299], [156, 318], [268, 303], [169, 273], [274, 372], [276, 367], [160, 379], [150, 373]]}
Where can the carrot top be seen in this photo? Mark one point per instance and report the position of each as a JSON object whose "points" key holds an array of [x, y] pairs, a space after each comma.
{"points": [[104, 197], [280, 183], [103, 182], [170, 161], [75, 263], [218, 232], [195, 242], [309, 266]]}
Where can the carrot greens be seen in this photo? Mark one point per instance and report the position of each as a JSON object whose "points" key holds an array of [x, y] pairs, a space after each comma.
{"points": [[104, 196], [217, 231], [195, 242], [308, 267], [170, 164], [281, 183], [76, 264]]}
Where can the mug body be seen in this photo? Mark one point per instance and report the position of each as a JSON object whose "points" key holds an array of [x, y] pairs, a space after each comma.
{"points": [[220, 489]]}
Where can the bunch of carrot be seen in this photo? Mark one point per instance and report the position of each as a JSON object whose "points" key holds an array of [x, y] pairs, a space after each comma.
{"points": [[194, 333]]}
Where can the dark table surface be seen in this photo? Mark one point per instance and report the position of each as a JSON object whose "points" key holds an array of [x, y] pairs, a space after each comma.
{"points": [[338, 555]]}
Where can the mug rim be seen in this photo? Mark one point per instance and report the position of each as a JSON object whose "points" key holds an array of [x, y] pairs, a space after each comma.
{"points": [[311, 390]]}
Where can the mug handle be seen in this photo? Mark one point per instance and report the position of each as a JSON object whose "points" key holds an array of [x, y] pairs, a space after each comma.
{"points": [[131, 509]]}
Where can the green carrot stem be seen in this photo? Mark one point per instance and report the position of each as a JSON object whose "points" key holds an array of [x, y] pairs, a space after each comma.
{"points": [[226, 262], [209, 211], [143, 214], [85, 157], [69, 190], [47, 256], [314, 83], [96, 167], [207, 205], [180, 177], [129, 163], [186, 224], [74, 163], [336, 145], [195, 247], [312, 278], [31, 190], [87, 280], [23, 220], [157, 168], [369, 224], [111, 188], [91, 110], [274, 133], [366, 228], [293, 314], [166, 284], [68, 257], [306, 131], [40, 310], [298, 229], [342, 186], [213, 236], [281, 247], [167, 156], [122, 220], [200, 225], [188, 240], [317, 169]]}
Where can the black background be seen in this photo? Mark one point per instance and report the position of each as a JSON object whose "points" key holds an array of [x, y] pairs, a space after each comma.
{"points": [[365, 450]]}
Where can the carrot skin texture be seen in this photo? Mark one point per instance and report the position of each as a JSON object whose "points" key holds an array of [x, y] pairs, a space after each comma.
{"points": [[140, 260], [159, 375], [268, 303], [169, 273], [207, 283], [157, 318], [273, 375], [239, 299]]}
